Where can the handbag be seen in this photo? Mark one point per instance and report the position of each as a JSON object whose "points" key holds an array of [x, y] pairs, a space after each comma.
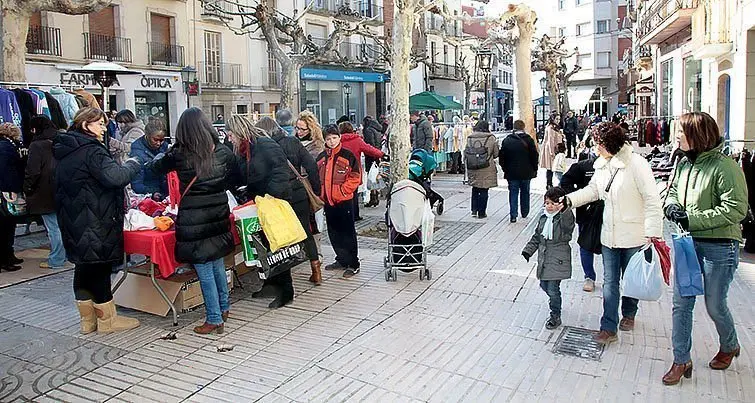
{"points": [[589, 231], [687, 271], [14, 203], [315, 202]]}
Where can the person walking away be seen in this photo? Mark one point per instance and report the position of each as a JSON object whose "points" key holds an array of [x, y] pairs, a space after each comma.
{"points": [[551, 242], [353, 142], [559, 161], [372, 134], [577, 177], [285, 120], [708, 198], [129, 129], [571, 131], [11, 184], [301, 161], [39, 187], [518, 158], [89, 196], [486, 176], [340, 177], [422, 133], [203, 227], [553, 137], [632, 217], [146, 148]]}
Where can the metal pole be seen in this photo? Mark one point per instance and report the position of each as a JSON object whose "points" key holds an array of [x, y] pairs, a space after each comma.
{"points": [[487, 97], [105, 96]]}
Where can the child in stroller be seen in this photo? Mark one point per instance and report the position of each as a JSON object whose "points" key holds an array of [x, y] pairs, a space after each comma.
{"points": [[421, 167]]}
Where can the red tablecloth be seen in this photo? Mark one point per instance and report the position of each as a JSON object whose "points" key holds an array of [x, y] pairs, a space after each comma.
{"points": [[158, 245]]}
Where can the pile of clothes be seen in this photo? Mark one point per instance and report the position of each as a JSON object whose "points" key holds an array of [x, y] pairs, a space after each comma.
{"points": [[147, 212]]}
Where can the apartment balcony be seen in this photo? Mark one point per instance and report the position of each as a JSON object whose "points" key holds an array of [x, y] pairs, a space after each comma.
{"points": [[711, 32], [360, 53], [109, 48], [43, 41], [665, 19], [217, 10], [349, 9], [453, 28], [444, 71], [163, 54], [434, 23], [221, 75]]}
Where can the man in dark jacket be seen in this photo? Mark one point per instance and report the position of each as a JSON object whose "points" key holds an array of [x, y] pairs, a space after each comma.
{"points": [[39, 187], [422, 137], [577, 177], [571, 130], [518, 157]]}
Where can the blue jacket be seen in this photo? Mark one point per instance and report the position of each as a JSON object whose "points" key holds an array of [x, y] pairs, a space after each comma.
{"points": [[148, 181], [11, 167], [288, 129], [9, 110], [67, 103]]}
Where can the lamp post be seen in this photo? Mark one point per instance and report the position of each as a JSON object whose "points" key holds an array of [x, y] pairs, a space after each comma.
{"points": [[347, 91], [543, 86], [188, 76], [484, 64]]}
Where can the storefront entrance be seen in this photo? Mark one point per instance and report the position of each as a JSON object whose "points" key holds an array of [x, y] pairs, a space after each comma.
{"points": [[152, 105], [330, 94]]}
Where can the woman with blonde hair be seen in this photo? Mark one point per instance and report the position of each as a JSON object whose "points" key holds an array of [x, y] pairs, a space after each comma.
{"points": [[308, 130]]}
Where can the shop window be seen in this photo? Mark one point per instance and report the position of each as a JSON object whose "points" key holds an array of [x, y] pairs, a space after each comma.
{"points": [[667, 89], [693, 83], [274, 107], [150, 106], [257, 108], [242, 109]]}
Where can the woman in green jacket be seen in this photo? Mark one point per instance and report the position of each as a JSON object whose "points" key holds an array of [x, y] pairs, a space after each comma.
{"points": [[708, 198]]}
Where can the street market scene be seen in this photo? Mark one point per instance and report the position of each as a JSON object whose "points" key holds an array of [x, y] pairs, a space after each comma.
{"points": [[330, 200]]}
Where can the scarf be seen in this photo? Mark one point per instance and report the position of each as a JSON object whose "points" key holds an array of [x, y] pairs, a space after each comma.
{"points": [[548, 227]]}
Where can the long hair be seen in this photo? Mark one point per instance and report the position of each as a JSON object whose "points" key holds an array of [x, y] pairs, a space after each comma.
{"points": [[552, 120], [315, 131], [246, 132], [85, 116], [125, 116], [196, 138], [270, 126], [701, 131]]}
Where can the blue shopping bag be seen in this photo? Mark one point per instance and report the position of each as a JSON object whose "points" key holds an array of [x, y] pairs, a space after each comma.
{"points": [[687, 271]]}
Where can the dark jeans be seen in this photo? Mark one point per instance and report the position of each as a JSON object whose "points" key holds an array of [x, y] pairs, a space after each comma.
{"points": [[343, 234], [455, 163], [549, 178], [92, 281], [571, 145], [479, 200], [588, 263], [615, 261], [7, 236], [302, 211], [553, 289], [519, 190]]}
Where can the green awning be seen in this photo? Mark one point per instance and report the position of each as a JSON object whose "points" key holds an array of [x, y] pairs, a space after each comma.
{"points": [[431, 101]]}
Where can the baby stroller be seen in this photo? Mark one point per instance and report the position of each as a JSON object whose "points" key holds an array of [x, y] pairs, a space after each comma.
{"points": [[421, 167]]}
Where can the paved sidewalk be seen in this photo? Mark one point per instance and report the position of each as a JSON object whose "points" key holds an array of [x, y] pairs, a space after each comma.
{"points": [[474, 333]]}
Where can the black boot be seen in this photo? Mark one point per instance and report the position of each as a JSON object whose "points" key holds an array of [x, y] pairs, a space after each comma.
{"points": [[285, 296]]}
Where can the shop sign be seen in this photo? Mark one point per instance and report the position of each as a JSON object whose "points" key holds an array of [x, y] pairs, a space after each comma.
{"points": [[644, 90], [339, 75], [80, 79], [156, 82]]}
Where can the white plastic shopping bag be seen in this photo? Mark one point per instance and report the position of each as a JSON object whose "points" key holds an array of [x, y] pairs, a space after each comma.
{"points": [[320, 220], [372, 178], [643, 279], [232, 203], [428, 224]]}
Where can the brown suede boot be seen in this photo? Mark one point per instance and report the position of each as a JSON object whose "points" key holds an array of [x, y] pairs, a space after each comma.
{"points": [[723, 360], [108, 320], [674, 375], [316, 276], [88, 317], [207, 328]]}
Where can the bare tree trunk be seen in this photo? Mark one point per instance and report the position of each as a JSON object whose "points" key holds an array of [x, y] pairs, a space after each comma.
{"points": [[290, 86], [400, 146], [555, 104], [524, 80]]}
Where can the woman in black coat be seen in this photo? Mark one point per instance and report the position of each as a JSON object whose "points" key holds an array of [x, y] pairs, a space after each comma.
{"points": [[89, 205], [302, 161], [203, 226], [11, 181], [262, 166]]}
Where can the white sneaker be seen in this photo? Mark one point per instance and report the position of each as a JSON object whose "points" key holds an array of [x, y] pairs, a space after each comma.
{"points": [[589, 285]]}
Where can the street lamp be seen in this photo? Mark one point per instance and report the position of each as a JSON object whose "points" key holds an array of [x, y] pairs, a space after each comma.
{"points": [[484, 64], [543, 86], [189, 78], [347, 91]]}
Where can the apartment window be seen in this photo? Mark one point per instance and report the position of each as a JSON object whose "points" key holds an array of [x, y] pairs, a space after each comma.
{"points": [[103, 22], [273, 70], [212, 56], [216, 110], [257, 108], [242, 109], [667, 89], [585, 61], [581, 2], [317, 31], [445, 54], [603, 26], [162, 48], [604, 59], [583, 29], [432, 52], [561, 4], [101, 41], [561, 32]]}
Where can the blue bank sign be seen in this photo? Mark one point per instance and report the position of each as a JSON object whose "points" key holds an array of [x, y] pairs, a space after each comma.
{"points": [[339, 75]]}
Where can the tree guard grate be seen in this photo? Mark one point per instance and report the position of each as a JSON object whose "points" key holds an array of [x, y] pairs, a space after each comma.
{"points": [[578, 342]]}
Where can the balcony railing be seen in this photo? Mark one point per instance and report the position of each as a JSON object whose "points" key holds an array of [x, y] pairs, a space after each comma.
{"points": [[434, 22], [453, 28], [663, 11], [104, 47], [43, 41], [440, 70], [164, 54], [360, 52], [354, 9], [217, 9], [222, 75]]}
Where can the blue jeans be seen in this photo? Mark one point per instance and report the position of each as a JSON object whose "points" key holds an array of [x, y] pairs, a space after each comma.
{"points": [[519, 190], [719, 261], [553, 289], [57, 257], [214, 289], [615, 261], [588, 263]]}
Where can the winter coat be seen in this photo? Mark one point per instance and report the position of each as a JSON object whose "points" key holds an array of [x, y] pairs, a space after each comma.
{"points": [[577, 177], [56, 112], [11, 166], [713, 192], [553, 137], [89, 198], [340, 175], [39, 180], [571, 127], [298, 156], [266, 171], [423, 135], [313, 148], [356, 144], [518, 156], [553, 255], [632, 206], [67, 102], [485, 178], [203, 226], [373, 133], [148, 181], [10, 112], [27, 108], [120, 146]]}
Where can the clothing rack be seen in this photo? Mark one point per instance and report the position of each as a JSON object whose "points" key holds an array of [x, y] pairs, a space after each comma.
{"points": [[656, 117], [68, 87]]}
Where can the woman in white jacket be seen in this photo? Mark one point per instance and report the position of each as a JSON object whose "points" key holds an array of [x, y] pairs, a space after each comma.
{"points": [[631, 218]]}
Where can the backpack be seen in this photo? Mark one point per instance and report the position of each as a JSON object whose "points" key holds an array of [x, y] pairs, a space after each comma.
{"points": [[476, 155]]}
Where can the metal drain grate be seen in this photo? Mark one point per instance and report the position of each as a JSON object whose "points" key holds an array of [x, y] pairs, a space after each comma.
{"points": [[578, 342]]}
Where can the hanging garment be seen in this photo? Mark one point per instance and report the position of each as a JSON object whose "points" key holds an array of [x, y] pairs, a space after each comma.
{"points": [[56, 113], [43, 108], [67, 102], [28, 108], [665, 132], [9, 109], [90, 99]]}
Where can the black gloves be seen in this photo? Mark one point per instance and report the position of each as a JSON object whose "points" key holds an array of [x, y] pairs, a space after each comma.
{"points": [[671, 209], [526, 256], [681, 218]]}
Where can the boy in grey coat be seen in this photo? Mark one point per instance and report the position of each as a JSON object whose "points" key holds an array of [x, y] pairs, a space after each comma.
{"points": [[551, 242]]}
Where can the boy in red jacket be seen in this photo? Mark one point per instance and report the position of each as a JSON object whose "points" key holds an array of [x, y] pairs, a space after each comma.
{"points": [[353, 142]]}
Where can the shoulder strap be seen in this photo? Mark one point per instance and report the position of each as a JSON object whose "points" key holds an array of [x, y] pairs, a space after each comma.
{"points": [[296, 171], [610, 182], [194, 179]]}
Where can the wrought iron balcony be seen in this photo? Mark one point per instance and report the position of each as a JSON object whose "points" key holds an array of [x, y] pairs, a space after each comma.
{"points": [[353, 9], [217, 9], [43, 41], [434, 23], [444, 71], [664, 20], [363, 53], [221, 75], [104, 47], [164, 54]]}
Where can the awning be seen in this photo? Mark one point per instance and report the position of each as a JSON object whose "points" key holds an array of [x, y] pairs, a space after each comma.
{"points": [[580, 95], [431, 101]]}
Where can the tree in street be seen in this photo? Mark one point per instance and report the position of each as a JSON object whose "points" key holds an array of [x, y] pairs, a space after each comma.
{"points": [[549, 57]]}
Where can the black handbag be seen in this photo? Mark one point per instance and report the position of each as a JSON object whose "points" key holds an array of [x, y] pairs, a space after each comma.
{"points": [[590, 228]]}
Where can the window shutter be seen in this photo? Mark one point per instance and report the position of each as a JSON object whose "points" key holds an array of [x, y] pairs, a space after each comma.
{"points": [[160, 29], [103, 22], [36, 20]]}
